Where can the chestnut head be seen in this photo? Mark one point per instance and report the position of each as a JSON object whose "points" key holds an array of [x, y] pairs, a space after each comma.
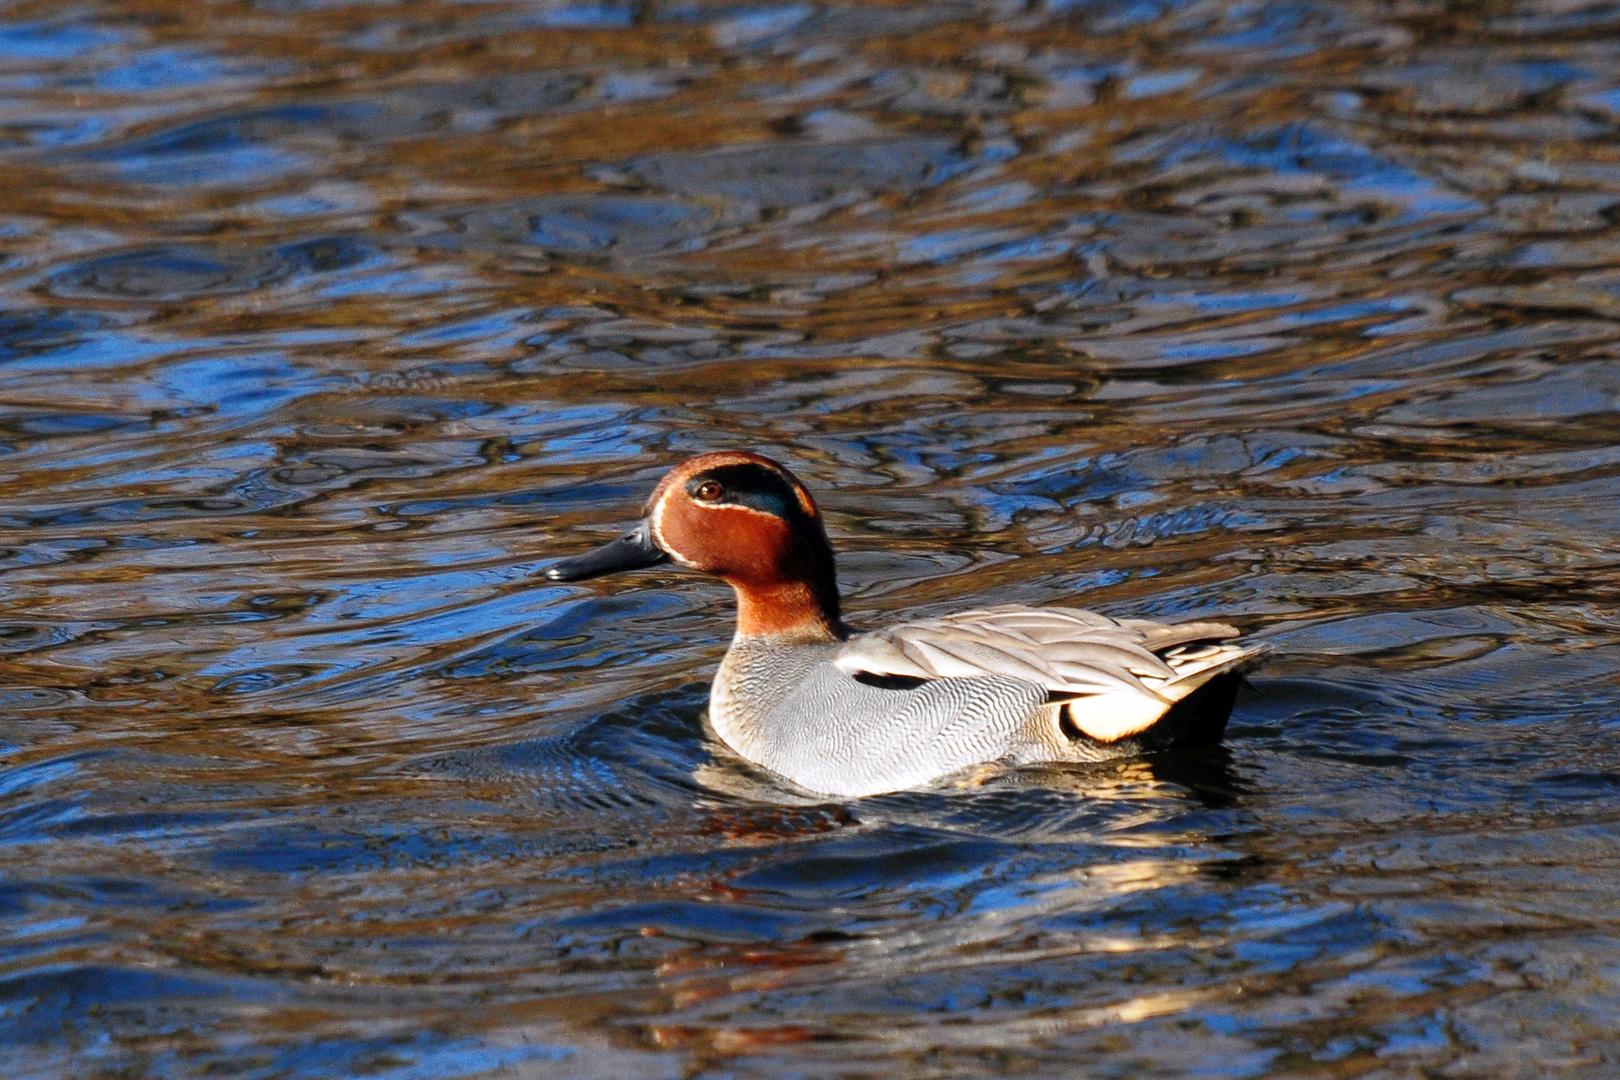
{"points": [[742, 518]]}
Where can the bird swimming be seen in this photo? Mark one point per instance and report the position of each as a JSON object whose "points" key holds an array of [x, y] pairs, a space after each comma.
{"points": [[854, 714]]}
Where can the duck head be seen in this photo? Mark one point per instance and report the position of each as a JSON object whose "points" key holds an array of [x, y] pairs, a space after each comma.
{"points": [[746, 520]]}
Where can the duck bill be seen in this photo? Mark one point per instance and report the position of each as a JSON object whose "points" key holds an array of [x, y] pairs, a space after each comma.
{"points": [[632, 551]]}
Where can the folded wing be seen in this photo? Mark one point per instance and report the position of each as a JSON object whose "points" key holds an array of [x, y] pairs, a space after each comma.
{"points": [[1111, 678]]}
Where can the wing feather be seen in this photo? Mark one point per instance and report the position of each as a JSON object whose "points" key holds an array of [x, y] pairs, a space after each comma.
{"points": [[1133, 669]]}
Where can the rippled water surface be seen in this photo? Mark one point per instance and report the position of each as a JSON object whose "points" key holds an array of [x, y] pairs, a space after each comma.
{"points": [[324, 324]]}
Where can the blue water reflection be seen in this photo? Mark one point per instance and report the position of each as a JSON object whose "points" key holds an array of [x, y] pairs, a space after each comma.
{"points": [[325, 326]]}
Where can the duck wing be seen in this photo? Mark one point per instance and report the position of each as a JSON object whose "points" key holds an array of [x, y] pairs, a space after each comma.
{"points": [[1130, 670]]}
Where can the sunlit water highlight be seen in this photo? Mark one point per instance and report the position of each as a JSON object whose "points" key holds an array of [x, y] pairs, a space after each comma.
{"points": [[323, 325]]}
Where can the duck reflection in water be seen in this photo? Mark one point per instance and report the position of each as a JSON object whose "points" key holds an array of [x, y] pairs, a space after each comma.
{"points": [[1107, 836], [855, 714]]}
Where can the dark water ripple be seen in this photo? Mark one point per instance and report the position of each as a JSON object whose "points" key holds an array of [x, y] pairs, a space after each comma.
{"points": [[324, 325]]}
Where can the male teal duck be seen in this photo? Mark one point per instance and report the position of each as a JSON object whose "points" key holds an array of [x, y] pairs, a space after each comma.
{"points": [[848, 714]]}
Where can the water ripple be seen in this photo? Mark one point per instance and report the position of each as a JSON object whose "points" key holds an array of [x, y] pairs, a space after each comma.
{"points": [[324, 325]]}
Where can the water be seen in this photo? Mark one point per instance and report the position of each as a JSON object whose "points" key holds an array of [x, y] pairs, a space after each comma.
{"points": [[324, 325]]}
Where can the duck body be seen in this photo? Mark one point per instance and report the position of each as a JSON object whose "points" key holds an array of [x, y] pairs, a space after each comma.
{"points": [[851, 715], [865, 739]]}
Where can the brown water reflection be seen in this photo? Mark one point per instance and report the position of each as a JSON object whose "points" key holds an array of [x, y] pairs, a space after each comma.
{"points": [[324, 325]]}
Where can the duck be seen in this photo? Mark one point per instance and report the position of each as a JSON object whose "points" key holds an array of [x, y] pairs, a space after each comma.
{"points": [[850, 715]]}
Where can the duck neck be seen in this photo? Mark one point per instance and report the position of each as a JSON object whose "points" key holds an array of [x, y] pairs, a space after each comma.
{"points": [[799, 610]]}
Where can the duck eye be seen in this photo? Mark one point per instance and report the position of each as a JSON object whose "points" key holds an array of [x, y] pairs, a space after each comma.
{"points": [[708, 491]]}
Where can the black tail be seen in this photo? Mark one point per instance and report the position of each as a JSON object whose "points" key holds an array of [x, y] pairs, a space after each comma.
{"points": [[1199, 719]]}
